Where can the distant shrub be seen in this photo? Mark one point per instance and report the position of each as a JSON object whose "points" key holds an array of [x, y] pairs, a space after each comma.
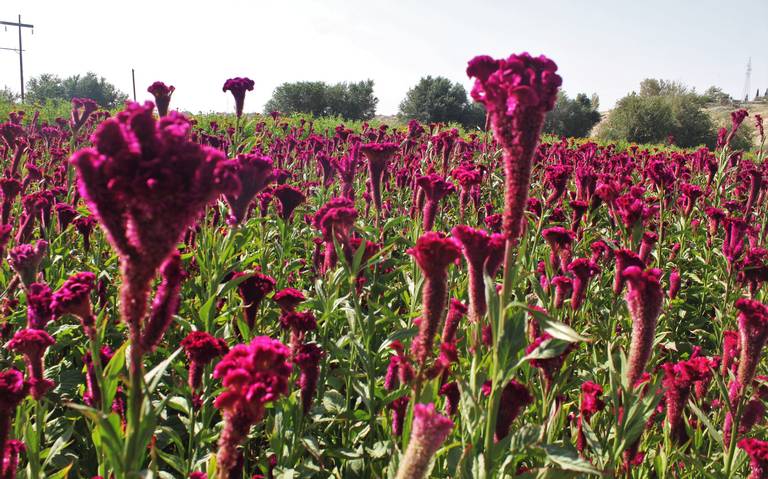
{"points": [[572, 117], [438, 99], [351, 101]]}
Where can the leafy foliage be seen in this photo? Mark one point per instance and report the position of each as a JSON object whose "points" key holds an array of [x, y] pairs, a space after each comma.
{"points": [[572, 117], [351, 101], [437, 99], [46, 87]]}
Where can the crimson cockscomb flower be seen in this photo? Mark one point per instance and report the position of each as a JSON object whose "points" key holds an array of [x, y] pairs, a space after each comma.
{"points": [[752, 413], [252, 291], [10, 458], [737, 118], [399, 408], [378, 155], [288, 299], [13, 390], [456, 311], [563, 289], [517, 93], [583, 270], [74, 298], [733, 242], [757, 450], [731, 351], [692, 193], [11, 187], [166, 302], [82, 108], [307, 358], [39, 305], [92, 394], [25, 259], [753, 334], [590, 405], [477, 247], [254, 172], [146, 182], [624, 259], [753, 269], [433, 253], [253, 375], [435, 188], [299, 323], [84, 225], [162, 94], [559, 240], [238, 86], [335, 220], [646, 245], [514, 398], [678, 381], [32, 343], [450, 391], [430, 430], [65, 214], [290, 198], [557, 176], [644, 299], [201, 348], [674, 284]]}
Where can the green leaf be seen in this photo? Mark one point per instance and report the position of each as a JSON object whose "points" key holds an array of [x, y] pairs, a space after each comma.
{"points": [[568, 458]]}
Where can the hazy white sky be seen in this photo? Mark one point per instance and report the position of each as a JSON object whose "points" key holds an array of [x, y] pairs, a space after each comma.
{"points": [[602, 46]]}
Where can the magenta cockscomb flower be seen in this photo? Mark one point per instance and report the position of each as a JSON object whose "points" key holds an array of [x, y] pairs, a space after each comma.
{"points": [[646, 245], [456, 311], [737, 118], [299, 323], [289, 198], [559, 240], [479, 250], [82, 109], [514, 398], [25, 259], [335, 220], [288, 299], [39, 305], [147, 182], [10, 458], [563, 289], [254, 172], [399, 407], [379, 156], [307, 358], [92, 393], [13, 390], [165, 303], [753, 334], [65, 214], [644, 300], [162, 94], [450, 391], [591, 404], [674, 284], [624, 259], [583, 270], [252, 291], [430, 430], [32, 343], [253, 375], [757, 450], [433, 253], [201, 348], [731, 351], [435, 188], [517, 93], [73, 297], [238, 86], [678, 380]]}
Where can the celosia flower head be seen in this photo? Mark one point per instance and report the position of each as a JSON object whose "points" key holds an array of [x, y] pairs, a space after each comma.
{"points": [[73, 297], [757, 450], [162, 94], [39, 305], [252, 291], [201, 348], [753, 334], [254, 172], [32, 343], [290, 198], [430, 430], [644, 300], [25, 259], [146, 182], [238, 86]]}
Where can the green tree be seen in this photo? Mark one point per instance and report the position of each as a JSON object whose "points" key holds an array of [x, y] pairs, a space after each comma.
{"points": [[715, 94], [572, 117], [50, 87], [437, 99], [352, 101], [639, 119], [8, 96]]}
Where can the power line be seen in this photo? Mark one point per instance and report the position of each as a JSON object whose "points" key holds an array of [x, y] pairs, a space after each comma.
{"points": [[19, 50]]}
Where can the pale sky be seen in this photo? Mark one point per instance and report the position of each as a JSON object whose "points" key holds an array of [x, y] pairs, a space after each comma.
{"points": [[601, 46]]}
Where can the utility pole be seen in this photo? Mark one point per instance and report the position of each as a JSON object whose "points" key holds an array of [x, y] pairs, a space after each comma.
{"points": [[133, 79], [19, 50]]}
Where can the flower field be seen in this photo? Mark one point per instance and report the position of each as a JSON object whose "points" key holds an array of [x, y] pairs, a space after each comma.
{"points": [[244, 296]]}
